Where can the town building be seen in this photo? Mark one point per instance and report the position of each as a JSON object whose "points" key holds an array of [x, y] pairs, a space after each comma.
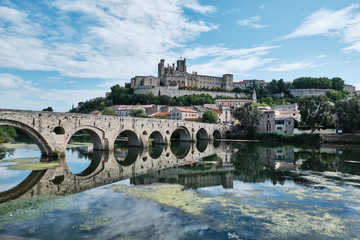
{"points": [[349, 88], [178, 76], [180, 113], [233, 103]]}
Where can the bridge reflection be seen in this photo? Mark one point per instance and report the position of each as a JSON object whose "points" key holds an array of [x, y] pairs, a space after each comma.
{"points": [[109, 167]]}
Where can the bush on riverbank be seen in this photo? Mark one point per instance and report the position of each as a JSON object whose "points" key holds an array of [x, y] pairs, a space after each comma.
{"points": [[309, 138]]}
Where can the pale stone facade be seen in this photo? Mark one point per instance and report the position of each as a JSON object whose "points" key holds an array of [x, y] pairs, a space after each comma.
{"points": [[178, 76]]}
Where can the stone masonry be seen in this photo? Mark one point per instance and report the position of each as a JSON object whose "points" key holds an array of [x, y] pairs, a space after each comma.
{"points": [[52, 131]]}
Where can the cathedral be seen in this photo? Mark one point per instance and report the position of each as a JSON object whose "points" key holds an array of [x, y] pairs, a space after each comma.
{"points": [[178, 76]]}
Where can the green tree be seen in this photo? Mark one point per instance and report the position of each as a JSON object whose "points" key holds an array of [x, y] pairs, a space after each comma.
{"points": [[337, 84], [348, 114], [108, 111], [272, 87], [48, 109], [7, 134], [209, 116], [140, 112], [314, 110], [248, 115], [337, 95]]}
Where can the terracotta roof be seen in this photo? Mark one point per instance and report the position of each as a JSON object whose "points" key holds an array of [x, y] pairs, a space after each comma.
{"points": [[162, 114], [191, 119], [216, 111], [233, 100], [186, 110]]}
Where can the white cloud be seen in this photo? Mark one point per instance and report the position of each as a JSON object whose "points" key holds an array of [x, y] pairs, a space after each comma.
{"points": [[111, 39], [223, 52], [291, 66], [252, 22], [225, 60], [17, 93], [343, 24], [195, 6]]}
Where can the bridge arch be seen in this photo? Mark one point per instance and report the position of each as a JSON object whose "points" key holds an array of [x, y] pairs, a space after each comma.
{"points": [[157, 137], [32, 133], [15, 192], [183, 134], [96, 135], [202, 134], [217, 134], [133, 139]]}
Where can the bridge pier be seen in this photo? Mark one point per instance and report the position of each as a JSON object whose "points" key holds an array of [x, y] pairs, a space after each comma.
{"points": [[52, 131]]}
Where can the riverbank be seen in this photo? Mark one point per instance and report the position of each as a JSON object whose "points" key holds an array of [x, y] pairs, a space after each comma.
{"points": [[345, 138]]}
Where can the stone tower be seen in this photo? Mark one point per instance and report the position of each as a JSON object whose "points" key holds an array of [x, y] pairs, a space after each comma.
{"points": [[181, 66], [161, 70], [254, 95]]}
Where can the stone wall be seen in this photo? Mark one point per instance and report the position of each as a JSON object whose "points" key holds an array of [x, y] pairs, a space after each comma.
{"points": [[52, 131], [175, 92], [305, 92]]}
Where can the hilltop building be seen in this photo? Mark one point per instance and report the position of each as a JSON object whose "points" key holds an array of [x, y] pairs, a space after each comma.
{"points": [[178, 76]]}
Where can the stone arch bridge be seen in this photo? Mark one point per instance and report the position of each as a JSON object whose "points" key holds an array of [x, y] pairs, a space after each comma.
{"points": [[52, 131]]}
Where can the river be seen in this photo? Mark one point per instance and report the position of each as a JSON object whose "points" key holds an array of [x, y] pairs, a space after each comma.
{"points": [[208, 190]]}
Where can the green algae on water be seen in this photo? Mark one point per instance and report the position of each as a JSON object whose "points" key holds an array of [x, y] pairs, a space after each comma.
{"points": [[93, 224], [174, 196], [34, 165], [30, 208]]}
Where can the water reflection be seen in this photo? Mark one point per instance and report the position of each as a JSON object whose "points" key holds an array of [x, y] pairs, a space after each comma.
{"points": [[85, 169], [180, 149], [156, 150], [294, 193]]}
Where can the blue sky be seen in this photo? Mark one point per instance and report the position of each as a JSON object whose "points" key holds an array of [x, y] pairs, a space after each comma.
{"points": [[59, 52]]}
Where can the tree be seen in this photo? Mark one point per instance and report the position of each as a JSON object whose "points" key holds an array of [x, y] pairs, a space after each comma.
{"points": [[108, 111], [348, 114], [248, 116], [337, 84], [314, 110], [140, 112], [336, 95], [48, 109], [7, 134], [209, 116]]}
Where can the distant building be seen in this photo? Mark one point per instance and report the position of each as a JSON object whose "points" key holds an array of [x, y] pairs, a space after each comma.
{"points": [[161, 115], [349, 88], [233, 103], [178, 76], [180, 113]]}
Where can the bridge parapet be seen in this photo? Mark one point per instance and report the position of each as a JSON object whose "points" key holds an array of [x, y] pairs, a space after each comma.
{"points": [[52, 131]]}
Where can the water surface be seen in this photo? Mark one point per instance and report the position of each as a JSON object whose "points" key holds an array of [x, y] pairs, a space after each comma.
{"points": [[208, 190]]}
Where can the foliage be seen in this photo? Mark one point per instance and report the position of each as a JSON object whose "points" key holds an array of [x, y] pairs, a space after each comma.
{"points": [[348, 114], [108, 111], [7, 134], [308, 138], [126, 96], [48, 109], [209, 116], [314, 110], [319, 83], [140, 112], [337, 95], [272, 102], [248, 116], [277, 86]]}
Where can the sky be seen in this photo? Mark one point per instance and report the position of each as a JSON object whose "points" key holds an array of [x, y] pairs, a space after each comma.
{"points": [[60, 52]]}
